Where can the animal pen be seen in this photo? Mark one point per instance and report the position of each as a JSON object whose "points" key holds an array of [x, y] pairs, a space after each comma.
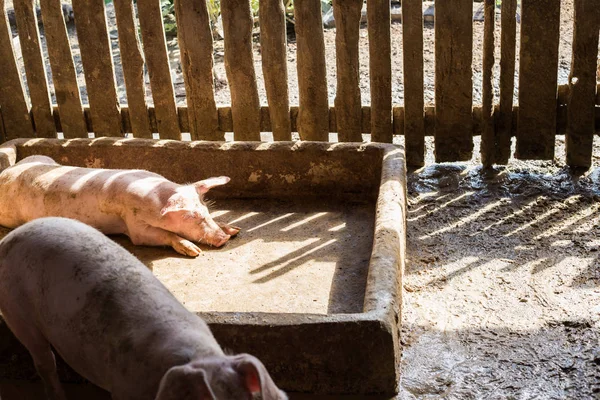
{"points": [[354, 349]]}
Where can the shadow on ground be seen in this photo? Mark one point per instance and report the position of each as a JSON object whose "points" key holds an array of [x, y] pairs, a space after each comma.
{"points": [[502, 287]]}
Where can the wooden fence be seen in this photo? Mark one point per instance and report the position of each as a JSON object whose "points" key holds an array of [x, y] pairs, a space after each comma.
{"points": [[544, 109]]}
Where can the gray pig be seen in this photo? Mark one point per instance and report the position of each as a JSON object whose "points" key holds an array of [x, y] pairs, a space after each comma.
{"points": [[65, 285]]}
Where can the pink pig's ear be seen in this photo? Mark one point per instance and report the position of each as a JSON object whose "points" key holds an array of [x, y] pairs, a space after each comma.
{"points": [[207, 184], [256, 378], [184, 381]]}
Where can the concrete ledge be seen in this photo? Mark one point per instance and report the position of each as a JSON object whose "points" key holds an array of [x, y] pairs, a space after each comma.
{"points": [[317, 353]]}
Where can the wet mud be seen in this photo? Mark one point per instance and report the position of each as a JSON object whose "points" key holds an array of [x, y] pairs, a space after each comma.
{"points": [[502, 286]]}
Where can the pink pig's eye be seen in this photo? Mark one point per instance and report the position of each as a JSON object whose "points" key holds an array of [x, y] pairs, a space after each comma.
{"points": [[197, 216]]}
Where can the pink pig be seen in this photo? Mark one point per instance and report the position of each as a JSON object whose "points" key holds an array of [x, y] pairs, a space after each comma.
{"points": [[145, 206], [65, 286]]}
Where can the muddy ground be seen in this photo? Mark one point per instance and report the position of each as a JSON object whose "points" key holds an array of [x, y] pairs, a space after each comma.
{"points": [[502, 283]]}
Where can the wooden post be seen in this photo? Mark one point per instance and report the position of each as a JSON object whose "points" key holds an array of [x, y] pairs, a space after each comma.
{"points": [[29, 35], [157, 60], [133, 68], [507, 80], [488, 139], [313, 114], [2, 133], [96, 57], [17, 122], [239, 65], [64, 76], [414, 103], [380, 69], [538, 75], [399, 125], [347, 14], [582, 84], [196, 49], [453, 80], [274, 64]]}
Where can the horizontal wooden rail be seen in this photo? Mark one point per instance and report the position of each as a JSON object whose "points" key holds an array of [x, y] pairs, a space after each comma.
{"points": [[226, 121]]}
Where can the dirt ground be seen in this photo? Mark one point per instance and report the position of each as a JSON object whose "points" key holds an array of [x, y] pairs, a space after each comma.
{"points": [[502, 284], [290, 257]]}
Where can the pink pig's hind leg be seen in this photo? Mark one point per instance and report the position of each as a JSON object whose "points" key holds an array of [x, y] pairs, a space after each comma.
{"points": [[147, 235]]}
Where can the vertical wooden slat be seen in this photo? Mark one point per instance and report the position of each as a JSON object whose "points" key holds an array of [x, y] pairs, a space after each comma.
{"points": [[488, 140], [380, 69], [157, 60], [347, 14], [17, 122], [538, 75], [313, 114], [196, 46], [582, 84], [29, 36], [239, 65], [453, 80], [414, 103], [133, 68], [2, 133], [398, 122], [64, 77], [96, 57], [507, 80], [274, 64]]}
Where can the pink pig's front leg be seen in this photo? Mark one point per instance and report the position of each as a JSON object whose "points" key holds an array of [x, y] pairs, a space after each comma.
{"points": [[147, 235], [231, 230]]}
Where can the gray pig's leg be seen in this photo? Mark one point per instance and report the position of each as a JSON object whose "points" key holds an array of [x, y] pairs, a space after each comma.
{"points": [[41, 352], [45, 364], [146, 235]]}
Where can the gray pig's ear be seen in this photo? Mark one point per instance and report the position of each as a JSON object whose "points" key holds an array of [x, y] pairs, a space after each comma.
{"points": [[256, 377], [184, 382], [207, 184]]}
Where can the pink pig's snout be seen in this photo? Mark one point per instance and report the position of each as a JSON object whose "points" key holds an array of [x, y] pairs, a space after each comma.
{"points": [[214, 235]]}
